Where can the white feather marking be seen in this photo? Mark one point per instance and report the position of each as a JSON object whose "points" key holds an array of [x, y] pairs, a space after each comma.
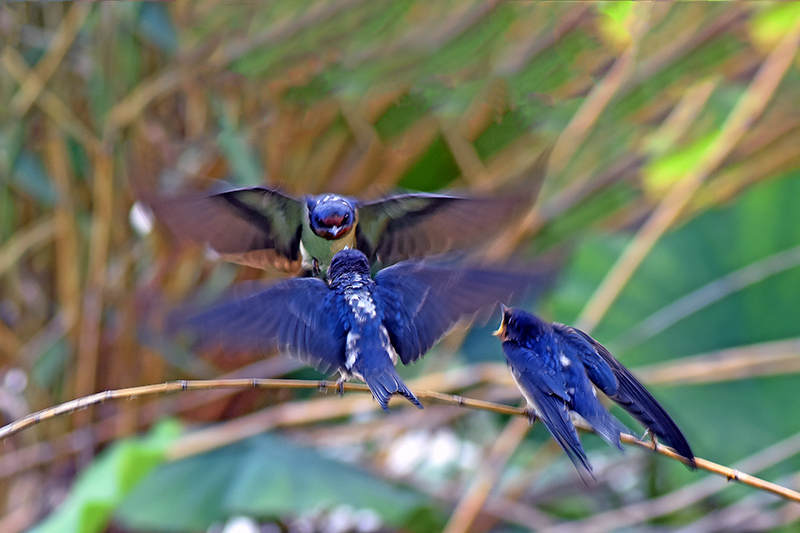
{"points": [[352, 350], [362, 305], [386, 344], [564, 360]]}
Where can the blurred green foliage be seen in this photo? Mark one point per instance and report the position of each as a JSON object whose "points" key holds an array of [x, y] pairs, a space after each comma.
{"points": [[361, 97]]}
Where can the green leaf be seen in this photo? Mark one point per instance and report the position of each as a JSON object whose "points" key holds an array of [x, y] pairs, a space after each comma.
{"points": [[104, 484], [264, 477]]}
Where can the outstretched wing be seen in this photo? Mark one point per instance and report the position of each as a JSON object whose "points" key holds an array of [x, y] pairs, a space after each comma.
{"points": [[627, 392], [413, 225], [423, 301], [298, 317], [240, 224]]}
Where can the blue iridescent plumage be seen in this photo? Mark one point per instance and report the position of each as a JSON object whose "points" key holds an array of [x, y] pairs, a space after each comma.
{"points": [[359, 325]]}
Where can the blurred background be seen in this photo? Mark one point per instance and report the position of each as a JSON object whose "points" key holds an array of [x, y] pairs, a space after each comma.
{"points": [[673, 198]]}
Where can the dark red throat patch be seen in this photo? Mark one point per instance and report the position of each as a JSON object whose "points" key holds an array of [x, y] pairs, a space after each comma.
{"points": [[330, 235], [333, 220]]}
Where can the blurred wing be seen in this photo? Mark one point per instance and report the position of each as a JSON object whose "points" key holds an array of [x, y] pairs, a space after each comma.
{"points": [[422, 301], [545, 391], [236, 223], [415, 225], [299, 317], [630, 394]]}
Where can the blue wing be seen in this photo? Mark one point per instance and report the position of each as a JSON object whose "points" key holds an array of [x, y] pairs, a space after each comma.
{"points": [[544, 387], [423, 301], [628, 392], [298, 317]]}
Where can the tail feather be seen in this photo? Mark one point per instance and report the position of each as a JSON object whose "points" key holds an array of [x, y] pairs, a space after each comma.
{"points": [[555, 416], [604, 424], [384, 382]]}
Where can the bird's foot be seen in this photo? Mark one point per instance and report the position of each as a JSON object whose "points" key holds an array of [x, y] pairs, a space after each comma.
{"points": [[340, 386], [653, 438], [315, 270], [531, 414]]}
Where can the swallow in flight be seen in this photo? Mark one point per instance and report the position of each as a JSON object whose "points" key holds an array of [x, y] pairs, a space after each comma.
{"points": [[557, 368], [358, 325], [259, 226]]}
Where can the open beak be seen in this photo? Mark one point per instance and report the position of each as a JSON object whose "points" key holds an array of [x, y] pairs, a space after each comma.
{"points": [[501, 331], [340, 231], [334, 232]]}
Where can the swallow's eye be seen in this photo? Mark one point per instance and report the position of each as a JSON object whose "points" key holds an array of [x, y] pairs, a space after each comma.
{"points": [[318, 220], [346, 217]]}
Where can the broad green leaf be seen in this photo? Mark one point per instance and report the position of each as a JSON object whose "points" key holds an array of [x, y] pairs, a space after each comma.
{"points": [[264, 477], [106, 482]]}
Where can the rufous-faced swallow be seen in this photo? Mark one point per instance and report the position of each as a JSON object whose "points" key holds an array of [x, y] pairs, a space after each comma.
{"points": [[260, 226]]}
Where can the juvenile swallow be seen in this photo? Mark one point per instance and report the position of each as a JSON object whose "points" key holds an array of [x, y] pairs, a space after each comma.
{"points": [[555, 367], [259, 226], [358, 325]]}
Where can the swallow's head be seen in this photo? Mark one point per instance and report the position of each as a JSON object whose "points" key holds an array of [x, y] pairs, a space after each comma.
{"points": [[331, 216], [348, 261], [517, 325]]}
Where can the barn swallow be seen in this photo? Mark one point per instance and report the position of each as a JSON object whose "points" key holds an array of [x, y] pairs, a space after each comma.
{"points": [[259, 226], [555, 366], [358, 325]]}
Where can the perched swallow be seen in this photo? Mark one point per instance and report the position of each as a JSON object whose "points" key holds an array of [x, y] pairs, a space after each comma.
{"points": [[259, 226], [555, 366], [356, 324]]}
